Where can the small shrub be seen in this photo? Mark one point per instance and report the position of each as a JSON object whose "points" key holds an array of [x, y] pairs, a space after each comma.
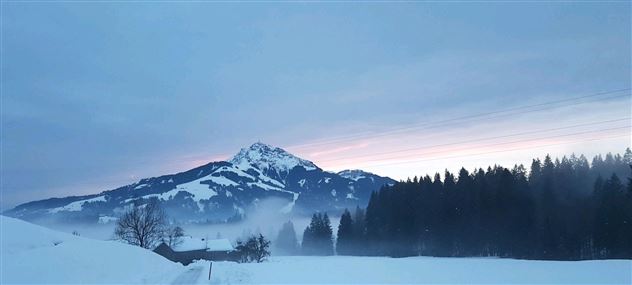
{"points": [[255, 249]]}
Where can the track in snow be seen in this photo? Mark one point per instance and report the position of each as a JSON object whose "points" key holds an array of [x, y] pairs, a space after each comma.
{"points": [[191, 276]]}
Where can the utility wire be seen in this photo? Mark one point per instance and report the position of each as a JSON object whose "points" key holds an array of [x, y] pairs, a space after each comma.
{"points": [[480, 116], [497, 151], [505, 143], [476, 140]]}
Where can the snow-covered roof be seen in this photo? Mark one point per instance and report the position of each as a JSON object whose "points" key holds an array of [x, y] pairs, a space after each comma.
{"points": [[192, 243], [219, 245]]}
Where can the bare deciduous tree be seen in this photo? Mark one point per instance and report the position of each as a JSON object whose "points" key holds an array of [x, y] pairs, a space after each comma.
{"points": [[173, 236], [142, 225]]}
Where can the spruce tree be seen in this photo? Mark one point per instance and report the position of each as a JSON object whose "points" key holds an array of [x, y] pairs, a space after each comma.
{"points": [[326, 236], [286, 243], [345, 236], [359, 230], [308, 245], [317, 238]]}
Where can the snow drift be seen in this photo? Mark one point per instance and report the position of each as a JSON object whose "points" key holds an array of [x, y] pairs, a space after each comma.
{"points": [[34, 254]]}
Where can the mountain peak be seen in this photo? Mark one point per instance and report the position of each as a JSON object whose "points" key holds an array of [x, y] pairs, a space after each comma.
{"points": [[264, 156]]}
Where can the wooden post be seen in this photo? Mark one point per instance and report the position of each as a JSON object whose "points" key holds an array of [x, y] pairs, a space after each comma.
{"points": [[210, 267]]}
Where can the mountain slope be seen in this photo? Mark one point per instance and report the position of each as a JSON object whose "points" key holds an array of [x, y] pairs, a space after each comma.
{"points": [[219, 190]]}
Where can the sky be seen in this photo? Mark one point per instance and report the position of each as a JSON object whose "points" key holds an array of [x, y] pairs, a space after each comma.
{"points": [[98, 95]]}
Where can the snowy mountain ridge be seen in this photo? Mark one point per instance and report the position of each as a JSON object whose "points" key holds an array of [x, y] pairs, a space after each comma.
{"points": [[221, 190], [355, 174], [264, 156], [274, 161]]}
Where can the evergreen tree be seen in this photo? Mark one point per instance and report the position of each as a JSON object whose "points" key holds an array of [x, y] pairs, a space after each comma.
{"points": [[309, 236], [373, 224], [317, 238], [551, 213], [326, 236], [630, 182], [286, 242], [359, 223], [345, 236]]}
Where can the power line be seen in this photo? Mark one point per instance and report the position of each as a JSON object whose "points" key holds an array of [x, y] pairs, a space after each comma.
{"points": [[443, 123], [505, 143], [476, 140], [427, 124], [509, 111], [497, 151]]}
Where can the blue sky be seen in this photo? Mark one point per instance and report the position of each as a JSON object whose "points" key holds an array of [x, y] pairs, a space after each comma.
{"points": [[97, 95]]}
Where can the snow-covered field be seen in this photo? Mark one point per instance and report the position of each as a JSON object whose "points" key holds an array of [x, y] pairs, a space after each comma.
{"points": [[33, 254], [363, 270]]}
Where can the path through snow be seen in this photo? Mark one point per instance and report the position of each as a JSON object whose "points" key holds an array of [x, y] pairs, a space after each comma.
{"points": [[191, 276]]}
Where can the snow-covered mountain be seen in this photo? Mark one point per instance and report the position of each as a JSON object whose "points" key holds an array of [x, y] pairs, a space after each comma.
{"points": [[273, 161], [223, 189], [355, 174]]}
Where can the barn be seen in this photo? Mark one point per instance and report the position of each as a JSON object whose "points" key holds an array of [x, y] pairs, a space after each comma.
{"points": [[191, 249]]}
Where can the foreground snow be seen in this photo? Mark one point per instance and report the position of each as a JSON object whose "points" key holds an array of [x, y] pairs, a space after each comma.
{"points": [[362, 270], [34, 254]]}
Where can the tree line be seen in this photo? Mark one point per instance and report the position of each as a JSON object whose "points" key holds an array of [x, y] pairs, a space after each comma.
{"points": [[317, 238], [562, 209]]}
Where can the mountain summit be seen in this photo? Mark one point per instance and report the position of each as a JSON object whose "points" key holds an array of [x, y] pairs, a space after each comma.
{"points": [[223, 189], [274, 161]]}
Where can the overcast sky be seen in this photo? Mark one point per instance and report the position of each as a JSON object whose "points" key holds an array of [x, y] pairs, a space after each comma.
{"points": [[99, 95]]}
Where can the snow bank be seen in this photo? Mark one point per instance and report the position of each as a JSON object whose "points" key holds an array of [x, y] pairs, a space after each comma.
{"points": [[34, 254]]}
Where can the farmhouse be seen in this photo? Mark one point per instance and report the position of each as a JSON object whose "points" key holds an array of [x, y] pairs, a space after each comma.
{"points": [[196, 248]]}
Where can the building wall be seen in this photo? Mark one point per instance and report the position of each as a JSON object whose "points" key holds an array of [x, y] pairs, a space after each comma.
{"points": [[187, 257]]}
